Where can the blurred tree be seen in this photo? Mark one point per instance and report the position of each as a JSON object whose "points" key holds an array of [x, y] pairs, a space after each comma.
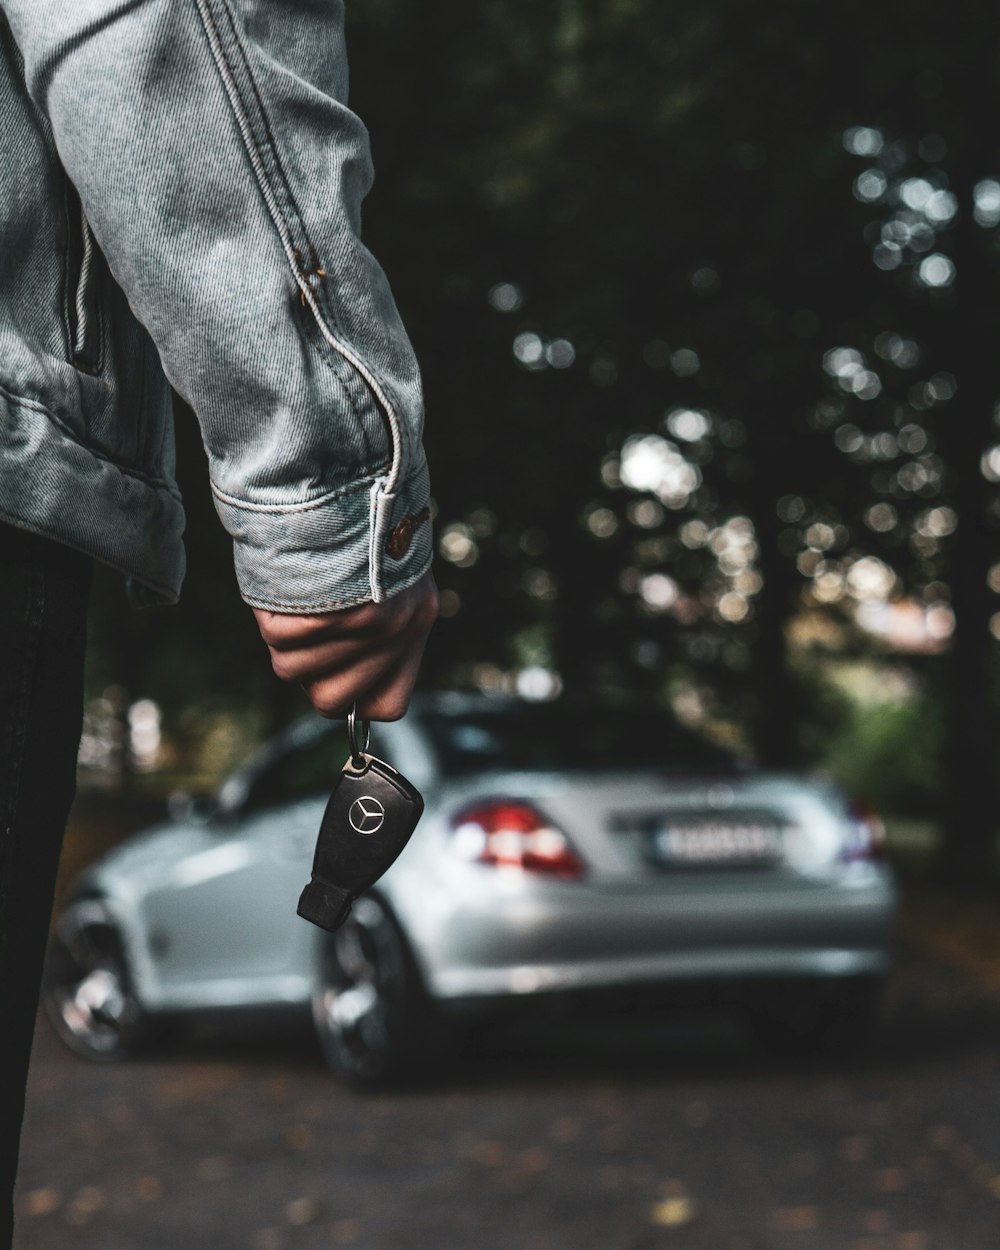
{"points": [[672, 401], [654, 199]]}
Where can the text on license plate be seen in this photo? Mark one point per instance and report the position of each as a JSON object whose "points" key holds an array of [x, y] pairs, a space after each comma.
{"points": [[716, 842]]}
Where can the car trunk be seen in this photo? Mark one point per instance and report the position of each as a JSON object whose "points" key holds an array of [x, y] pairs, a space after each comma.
{"points": [[660, 829]]}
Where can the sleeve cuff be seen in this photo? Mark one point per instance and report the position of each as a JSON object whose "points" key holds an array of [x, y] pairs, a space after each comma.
{"points": [[353, 546]]}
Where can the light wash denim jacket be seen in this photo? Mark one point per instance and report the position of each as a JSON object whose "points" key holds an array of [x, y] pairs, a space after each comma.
{"points": [[180, 194]]}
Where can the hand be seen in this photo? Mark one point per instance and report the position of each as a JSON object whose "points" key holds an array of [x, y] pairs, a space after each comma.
{"points": [[369, 654]]}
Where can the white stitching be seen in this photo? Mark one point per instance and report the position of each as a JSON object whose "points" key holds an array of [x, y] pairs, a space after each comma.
{"points": [[272, 605], [277, 509], [387, 484]]}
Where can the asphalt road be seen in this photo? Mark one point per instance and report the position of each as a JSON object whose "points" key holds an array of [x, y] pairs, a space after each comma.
{"points": [[630, 1138]]}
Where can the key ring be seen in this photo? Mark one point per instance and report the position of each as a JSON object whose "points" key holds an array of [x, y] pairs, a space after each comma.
{"points": [[357, 757]]}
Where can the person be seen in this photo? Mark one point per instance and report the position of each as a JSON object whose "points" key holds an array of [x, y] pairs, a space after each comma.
{"points": [[180, 201]]}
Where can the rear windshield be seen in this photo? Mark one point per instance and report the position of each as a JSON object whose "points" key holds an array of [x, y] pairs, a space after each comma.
{"points": [[546, 736]]}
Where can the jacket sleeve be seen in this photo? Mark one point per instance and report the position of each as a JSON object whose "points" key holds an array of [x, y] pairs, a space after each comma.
{"points": [[222, 174]]}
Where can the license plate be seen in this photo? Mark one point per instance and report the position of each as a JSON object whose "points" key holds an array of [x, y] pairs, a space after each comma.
{"points": [[716, 842]]}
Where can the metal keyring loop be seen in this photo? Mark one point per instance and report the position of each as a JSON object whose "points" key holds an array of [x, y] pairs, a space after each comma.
{"points": [[357, 757]]}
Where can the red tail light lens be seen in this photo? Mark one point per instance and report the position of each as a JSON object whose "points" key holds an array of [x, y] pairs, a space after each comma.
{"points": [[508, 833], [865, 833]]}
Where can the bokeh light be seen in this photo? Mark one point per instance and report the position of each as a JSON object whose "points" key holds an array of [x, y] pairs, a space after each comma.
{"points": [[936, 270], [654, 464]]}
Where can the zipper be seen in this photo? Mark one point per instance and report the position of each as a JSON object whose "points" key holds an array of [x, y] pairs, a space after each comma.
{"points": [[385, 487], [83, 316]]}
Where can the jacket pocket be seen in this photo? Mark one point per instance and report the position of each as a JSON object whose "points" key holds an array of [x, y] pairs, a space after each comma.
{"points": [[83, 313]]}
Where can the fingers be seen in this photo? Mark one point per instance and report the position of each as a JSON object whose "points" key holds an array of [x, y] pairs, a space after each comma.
{"points": [[389, 699], [305, 663], [333, 693], [369, 654], [364, 622]]}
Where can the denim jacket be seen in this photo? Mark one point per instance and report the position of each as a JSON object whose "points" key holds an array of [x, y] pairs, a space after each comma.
{"points": [[180, 195]]}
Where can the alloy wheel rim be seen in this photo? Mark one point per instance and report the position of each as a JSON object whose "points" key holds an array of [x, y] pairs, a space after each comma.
{"points": [[88, 991], [357, 1003]]}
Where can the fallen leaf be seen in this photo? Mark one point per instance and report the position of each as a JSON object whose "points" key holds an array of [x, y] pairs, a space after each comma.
{"points": [[41, 1201], [673, 1212], [85, 1205]]}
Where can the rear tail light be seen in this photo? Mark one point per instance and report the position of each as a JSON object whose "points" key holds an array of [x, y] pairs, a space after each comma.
{"points": [[509, 833], [865, 833]]}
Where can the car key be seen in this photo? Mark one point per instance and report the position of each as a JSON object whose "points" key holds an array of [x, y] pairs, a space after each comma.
{"points": [[371, 813]]}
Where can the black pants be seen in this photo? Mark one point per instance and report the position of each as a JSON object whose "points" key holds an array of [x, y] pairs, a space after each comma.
{"points": [[43, 604]]}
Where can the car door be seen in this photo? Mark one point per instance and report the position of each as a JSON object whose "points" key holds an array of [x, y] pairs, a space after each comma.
{"points": [[222, 923]]}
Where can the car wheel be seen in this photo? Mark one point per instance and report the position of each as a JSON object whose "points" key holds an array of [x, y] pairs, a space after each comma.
{"points": [[87, 989], [372, 1014], [829, 1017]]}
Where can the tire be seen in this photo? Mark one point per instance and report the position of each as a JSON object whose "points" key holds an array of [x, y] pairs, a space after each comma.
{"points": [[87, 990], [373, 1017], [827, 1018]]}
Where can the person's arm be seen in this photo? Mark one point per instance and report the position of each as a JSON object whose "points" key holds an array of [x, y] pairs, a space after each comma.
{"points": [[222, 174]]}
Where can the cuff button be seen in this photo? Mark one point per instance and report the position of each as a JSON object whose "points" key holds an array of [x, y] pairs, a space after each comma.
{"points": [[401, 534]]}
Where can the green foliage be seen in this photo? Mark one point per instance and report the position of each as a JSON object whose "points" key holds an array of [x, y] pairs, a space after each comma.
{"points": [[890, 754]]}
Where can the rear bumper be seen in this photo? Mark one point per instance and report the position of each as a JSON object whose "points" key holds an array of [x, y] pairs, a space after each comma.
{"points": [[570, 938], [465, 984]]}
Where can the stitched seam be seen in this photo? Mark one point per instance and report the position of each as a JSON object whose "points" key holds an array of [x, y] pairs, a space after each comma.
{"points": [[146, 478], [331, 604], [332, 360], [321, 293], [323, 296], [275, 509], [325, 605], [270, 200], [269, 144]]}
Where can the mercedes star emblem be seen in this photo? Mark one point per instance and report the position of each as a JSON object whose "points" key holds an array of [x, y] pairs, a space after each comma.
{"points": [[366, 814]]}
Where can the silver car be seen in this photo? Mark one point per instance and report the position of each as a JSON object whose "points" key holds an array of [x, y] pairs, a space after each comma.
{"points": [[568, 853]]}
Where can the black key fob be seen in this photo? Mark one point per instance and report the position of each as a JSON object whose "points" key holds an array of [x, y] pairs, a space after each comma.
{"points": [[371, 814]]}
